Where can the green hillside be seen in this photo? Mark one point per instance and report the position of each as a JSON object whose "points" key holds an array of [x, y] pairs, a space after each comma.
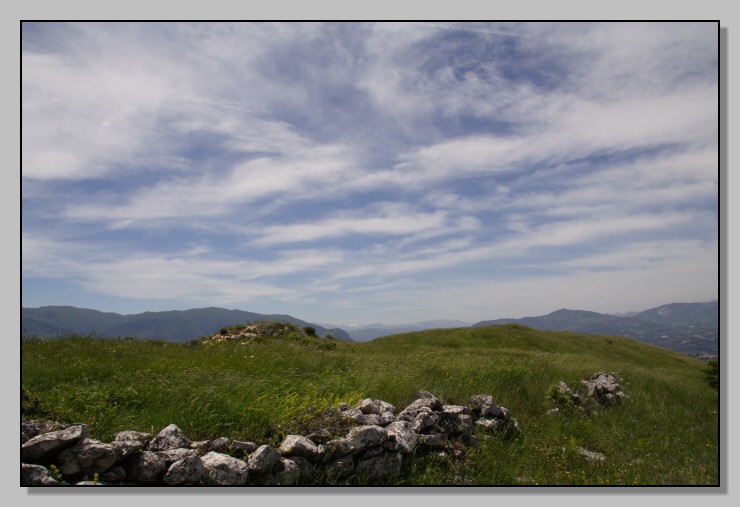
{"points": [[665, 432]]}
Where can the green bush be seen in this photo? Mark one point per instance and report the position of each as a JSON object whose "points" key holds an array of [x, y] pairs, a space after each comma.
{"points": [[711, 373]]}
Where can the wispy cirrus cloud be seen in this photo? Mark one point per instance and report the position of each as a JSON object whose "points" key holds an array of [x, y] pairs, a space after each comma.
{"points": [[227, 162]]}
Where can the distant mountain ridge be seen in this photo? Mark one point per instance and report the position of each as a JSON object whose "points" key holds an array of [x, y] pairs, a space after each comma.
{"points": [[378, 329], [689, 328], [175, 325]]}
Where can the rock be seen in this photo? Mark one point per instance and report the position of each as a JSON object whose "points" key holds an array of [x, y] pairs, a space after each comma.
{"points": [[594, 457], [334, 449], [425, 418], [372, 420], [114, 475], [427, 400], [139, 436], [452, 411], [376, 407], [87, 457], [365, 437], [36, 475], [566, 391], [173, 455], [308, 470], [603, 388], [401, 436], [320, 437], [34, 428], [386, 418], [461, 425], [296, 445], [188, 470], [125, 448], [223, 470], [354, 415], [482, 405], [170, 437], [380, 467], [46, 445], [263, 459], [220, 444], [240, 449], [287, 472], [146, 467], [432, 440]]}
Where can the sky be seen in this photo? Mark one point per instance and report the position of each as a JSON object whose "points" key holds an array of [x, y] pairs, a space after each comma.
{"points": [[355, 172]]}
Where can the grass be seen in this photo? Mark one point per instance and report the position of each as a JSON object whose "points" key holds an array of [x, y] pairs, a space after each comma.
{"points": [[664, 433]]}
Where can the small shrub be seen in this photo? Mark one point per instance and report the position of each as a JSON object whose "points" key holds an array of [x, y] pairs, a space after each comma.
{"points": [[310, 330], [711, 373]]}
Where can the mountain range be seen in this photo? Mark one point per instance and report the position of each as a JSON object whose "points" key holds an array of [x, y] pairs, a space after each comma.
{"points": [[367, 332], [176, 326], [689, 328]]}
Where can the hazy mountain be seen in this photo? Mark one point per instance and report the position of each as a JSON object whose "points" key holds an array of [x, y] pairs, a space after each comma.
{"points": [[177, 326], [367, 332], [690, 328]]}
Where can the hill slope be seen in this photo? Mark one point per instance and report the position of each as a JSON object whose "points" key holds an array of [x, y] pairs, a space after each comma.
{"points": [[689, 328], [664, 432], [177, 326]]}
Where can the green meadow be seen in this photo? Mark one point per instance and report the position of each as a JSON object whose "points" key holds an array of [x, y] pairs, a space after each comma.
{"points": [[664, 432]]}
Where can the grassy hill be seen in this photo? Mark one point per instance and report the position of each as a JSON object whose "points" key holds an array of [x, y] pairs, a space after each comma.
{"points": [[666, 432]]}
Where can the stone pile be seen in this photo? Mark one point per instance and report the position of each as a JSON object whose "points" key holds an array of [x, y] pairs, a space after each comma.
{"points": [[602, 388], [374, 449]]}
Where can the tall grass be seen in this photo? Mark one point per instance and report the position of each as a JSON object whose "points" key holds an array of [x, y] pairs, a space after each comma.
{"points": [[664, 432]]}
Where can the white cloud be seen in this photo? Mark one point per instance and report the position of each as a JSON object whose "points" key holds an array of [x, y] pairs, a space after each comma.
{"points": [[443, 150]]}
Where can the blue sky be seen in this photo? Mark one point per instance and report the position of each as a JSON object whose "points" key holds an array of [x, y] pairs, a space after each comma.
{"points": [[363, 172]]}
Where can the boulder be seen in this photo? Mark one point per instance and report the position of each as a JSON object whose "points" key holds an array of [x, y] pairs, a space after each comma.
{"points": [[114, 475], [363, 438], [36, 475], [223, 470], [482, 405], [287, 472], [146, 467], [296, 445], [334, 449], [173, 455], [263, 460], [221, 444], [240, 449], [376, 407], [139, 436], [354, 415], [603, 388], [46, 445], [308, 470], [401, 437], [87, 457], [170, 437], [188, 470], [125, 448]]}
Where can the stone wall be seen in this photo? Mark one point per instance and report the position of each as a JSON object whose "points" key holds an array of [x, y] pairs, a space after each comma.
{"points": [[374, 449]]}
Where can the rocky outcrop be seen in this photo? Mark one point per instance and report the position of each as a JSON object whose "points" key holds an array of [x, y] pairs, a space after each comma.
{"points": [[373, 450]]}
